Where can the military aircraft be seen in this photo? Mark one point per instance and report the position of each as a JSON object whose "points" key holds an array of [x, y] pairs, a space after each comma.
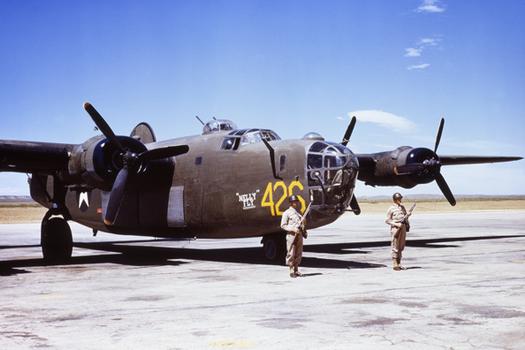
{"points": [[226, 183]]}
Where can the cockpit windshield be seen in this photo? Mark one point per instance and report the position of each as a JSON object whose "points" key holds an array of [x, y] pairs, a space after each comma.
{"points": [[241, 137]]}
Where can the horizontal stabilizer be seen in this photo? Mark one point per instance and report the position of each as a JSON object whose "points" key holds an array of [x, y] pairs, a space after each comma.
{"points": [[458, 160]]}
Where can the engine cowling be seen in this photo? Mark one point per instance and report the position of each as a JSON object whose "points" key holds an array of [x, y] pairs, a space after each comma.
{"points": [[405, 167], [98, 161]]}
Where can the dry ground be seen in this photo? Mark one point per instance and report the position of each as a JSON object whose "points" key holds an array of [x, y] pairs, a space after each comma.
{"points": [[443, 206], [30, 212]]}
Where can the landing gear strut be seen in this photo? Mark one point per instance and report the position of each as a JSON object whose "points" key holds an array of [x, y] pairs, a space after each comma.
{"points": [[274, 247]]}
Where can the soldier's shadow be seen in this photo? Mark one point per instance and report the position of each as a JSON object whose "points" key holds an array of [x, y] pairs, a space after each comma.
{"points": [[311, 274]]}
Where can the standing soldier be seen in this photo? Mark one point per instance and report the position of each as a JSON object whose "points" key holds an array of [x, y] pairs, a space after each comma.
{"points": [[397, 218], [292, 222]]}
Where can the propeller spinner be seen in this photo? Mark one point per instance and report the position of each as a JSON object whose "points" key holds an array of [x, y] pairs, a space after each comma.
{"points": [[425, 162]]}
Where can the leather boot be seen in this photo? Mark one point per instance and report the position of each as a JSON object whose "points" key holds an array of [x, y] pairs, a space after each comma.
{"points": [[292, 272], [399, 264], [395, 265]]}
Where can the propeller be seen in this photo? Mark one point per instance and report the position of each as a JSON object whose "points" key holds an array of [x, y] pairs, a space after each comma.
{"points": [[349, 131], [429, 167], [438, 136], [131, 162], [445, 189], [355, 205], [102, 125]]}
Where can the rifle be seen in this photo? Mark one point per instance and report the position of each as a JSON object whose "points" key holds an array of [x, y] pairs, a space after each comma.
{"points": [[303, 220], [405, 218], [306, 212]]}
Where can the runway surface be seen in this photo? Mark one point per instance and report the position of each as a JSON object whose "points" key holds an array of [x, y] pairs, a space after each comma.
{"points": [[464, 289]]}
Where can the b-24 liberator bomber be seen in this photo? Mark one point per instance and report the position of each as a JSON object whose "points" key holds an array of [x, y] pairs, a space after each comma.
{"points": [[225, 183]]}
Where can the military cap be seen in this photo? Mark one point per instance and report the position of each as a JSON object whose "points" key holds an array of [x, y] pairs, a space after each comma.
{"points": [[293, 198], [397, 195]]}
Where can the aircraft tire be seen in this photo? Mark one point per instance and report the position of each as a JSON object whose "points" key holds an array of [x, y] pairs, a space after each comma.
{"points": [[274, 248], [56, 241]]}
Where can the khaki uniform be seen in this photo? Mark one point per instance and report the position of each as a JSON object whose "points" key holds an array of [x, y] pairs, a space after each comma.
{"points": [[290, 222], [394, 216]]}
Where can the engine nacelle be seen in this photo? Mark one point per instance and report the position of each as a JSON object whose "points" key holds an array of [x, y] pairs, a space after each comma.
{"points": [[97, 161], [405, 167]]}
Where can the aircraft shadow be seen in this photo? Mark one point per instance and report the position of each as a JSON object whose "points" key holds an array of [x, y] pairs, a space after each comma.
{"points": [[251, 255], [134, 255], [155, 256]]}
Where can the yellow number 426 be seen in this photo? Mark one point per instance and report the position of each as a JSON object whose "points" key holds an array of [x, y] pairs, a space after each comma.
{"points": [[282, 192]]}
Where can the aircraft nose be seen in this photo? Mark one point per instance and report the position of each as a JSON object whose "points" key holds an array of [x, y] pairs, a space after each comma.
{"points": [[332, 171]]}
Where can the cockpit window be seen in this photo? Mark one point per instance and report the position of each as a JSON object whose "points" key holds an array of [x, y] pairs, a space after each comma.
{"points": [[237, 138], [256, 135], [230, 143]]}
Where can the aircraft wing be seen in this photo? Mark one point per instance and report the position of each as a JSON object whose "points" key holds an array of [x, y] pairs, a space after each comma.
{"points": [[458, 160], [34, 157]]}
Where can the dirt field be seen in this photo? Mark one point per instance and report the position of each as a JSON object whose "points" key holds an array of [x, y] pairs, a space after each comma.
{"points": [[28, 212], [13, 213]]}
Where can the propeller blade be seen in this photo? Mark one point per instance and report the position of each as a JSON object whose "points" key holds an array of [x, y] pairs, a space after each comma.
{"points": [[272, 158], [438, 136], [445, 189], [164, 152], [116, 196], [349, 131], [102, 125], [355, 205]]}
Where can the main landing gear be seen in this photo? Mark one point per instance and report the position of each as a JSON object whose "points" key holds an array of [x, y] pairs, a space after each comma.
{"points": [[56, 240], [55, 233], [274, 247]]}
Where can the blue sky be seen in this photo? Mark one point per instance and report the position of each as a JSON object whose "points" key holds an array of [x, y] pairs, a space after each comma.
{"points": [[293, 66]]}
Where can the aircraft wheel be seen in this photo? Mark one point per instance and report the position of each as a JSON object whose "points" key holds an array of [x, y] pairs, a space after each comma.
{"points": [[274, 248], [56, 241]]}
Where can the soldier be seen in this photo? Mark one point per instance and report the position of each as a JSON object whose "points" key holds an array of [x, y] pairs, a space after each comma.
{"points": [[292, 222], [397, 218]]}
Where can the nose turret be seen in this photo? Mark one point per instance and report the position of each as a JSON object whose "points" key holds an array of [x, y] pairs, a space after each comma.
{"points": [[331, 172]]}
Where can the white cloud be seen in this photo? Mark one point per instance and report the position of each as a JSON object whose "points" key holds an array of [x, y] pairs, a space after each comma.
{"points": [[430, 6], [384, 119], [421, 45], [413, 51], [428, 41], [419, 66]]}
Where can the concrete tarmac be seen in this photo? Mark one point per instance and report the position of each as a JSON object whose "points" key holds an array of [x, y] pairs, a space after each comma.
{"points": [[463, 289]]}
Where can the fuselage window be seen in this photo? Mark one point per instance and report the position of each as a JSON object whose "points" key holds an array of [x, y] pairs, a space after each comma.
{"points": [[282, 162]]}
